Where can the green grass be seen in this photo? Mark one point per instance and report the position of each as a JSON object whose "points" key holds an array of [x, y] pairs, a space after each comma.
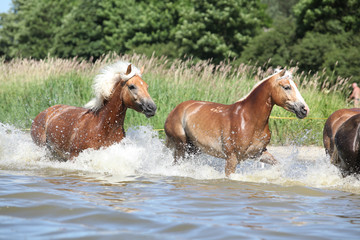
{"points": [[29, 87], [21, 102]]}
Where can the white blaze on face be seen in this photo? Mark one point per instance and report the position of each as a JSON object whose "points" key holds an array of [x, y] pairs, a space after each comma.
{"points": [[299, 98]]}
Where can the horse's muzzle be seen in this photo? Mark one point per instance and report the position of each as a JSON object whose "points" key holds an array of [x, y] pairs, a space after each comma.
{"points": [[148, 108], [301, 110]]}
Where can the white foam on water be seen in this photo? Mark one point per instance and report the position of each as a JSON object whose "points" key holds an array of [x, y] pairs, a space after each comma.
{"points": [[142, 153], [296, 170], [17, 150]]}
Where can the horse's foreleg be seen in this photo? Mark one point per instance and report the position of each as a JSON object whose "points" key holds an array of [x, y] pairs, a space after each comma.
{"points": [[266, 157], [230, 165]]}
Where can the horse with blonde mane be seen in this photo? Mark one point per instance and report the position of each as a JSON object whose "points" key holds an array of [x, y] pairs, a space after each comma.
{"points": [[234, 132], [68, 130]]}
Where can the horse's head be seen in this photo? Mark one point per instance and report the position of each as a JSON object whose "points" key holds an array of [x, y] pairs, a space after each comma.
{"points": [[135, 94], [286, 94]]}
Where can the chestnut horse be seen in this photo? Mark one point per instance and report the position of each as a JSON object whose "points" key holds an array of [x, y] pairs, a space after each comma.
{"points": [[68, 130], [341, 139], [234, 132]]}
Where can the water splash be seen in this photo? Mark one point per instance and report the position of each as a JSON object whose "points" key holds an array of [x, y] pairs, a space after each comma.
{"points": [[142, 153], [17, 149]]}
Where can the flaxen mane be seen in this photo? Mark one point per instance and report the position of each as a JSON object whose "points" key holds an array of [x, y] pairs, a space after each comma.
{"points": [[288, 74], [105, 82]]}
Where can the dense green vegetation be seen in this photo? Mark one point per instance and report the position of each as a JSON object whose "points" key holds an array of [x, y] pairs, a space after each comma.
{"points": [[30, 86], [311, 34], [315, 35]]}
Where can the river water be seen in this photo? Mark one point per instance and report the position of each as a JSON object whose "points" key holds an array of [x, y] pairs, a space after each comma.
{"points": [[131, 190]]}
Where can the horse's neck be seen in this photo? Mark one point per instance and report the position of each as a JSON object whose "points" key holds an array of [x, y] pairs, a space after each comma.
{"points": [[258, 104], [112, 114]]}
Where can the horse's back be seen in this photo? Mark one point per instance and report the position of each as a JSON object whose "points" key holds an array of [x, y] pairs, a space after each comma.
{"points": [[347, 145], [332, 124]]}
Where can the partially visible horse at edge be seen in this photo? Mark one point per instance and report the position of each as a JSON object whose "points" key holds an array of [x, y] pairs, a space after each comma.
{"points": [[234, 132], [341, 138], [68, 130]]}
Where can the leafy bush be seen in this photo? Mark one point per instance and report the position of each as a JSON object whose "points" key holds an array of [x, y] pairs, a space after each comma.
{"points": [[338, 54], [219, 29], [169, 50], [274, 44], [334, 17], [75, 40], [344, 59], [310, 51]]}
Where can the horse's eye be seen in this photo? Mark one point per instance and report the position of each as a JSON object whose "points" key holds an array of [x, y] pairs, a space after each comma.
{"points": [[287, 87], [131, 87]]}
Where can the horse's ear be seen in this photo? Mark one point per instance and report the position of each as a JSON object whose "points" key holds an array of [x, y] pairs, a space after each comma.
{"points": [[142, 70], [128, 71], [282, 73]]}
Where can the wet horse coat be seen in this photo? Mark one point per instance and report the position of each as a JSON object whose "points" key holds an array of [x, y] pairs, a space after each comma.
{"points": [[332, 124], [234, 132], [68, 130], [341, 138]]}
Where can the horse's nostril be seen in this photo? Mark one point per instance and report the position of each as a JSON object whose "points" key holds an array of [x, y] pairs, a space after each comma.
{"points": [[304, 110], [149, 107]]}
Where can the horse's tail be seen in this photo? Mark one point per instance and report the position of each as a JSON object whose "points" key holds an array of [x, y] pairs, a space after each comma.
{"points": [[38, 129], [328, 140], [334, 158], [357, 145]]}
